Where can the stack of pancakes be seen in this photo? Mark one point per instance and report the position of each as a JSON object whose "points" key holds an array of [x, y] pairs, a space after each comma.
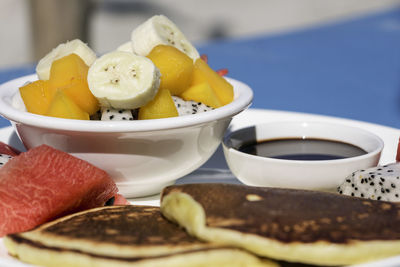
{"points": [[226, 225]]}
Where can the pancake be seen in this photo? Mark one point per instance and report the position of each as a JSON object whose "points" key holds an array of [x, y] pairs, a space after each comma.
{"points": [[285, 224], [121, 236]]}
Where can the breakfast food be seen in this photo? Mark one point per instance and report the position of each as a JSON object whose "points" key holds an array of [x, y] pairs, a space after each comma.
{"points": [[65, 95], [6, 153], [45, 183], [112, 114], [69, 75], [123, 80], [378, 183], [285, 224], [189, 107], [4, 158], [175, 66], [121, 236], [73, 47], [75, 84], [162, 106], [36, 96], [125, 47], [202, 93], [62, 106], [160, 30], [8, 150], [202, 73]]}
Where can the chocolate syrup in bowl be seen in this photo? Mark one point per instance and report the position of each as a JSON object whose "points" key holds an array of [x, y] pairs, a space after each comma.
{"points": [[302, 149]]}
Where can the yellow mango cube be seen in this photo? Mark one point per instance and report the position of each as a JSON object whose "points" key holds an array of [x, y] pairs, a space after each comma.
{"points": [[66, 69], [37, 96], [69, 73], [203, 93], [175, 67], [80, 93], [161, 106], [63, 107], [222, 88]]}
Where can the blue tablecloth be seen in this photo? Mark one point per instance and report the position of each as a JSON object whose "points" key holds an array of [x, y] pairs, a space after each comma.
{"points": [[349, 69]]}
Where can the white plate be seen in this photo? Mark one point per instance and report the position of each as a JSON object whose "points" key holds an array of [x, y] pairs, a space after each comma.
{"points": [[216, 170]]}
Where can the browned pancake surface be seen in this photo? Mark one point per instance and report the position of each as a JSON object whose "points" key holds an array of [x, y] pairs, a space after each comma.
{"points": [[120, 226], [289, 215], [124, 225]]}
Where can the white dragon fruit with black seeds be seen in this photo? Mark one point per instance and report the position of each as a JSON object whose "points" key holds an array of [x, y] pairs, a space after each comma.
{"points": [[110, 114], [378, 183], [189, 107], [4, 158]]}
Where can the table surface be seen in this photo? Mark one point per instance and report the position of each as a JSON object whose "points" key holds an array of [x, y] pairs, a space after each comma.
{"points": [[348, 69]]}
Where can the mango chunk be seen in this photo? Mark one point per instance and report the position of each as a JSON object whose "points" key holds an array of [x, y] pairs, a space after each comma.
{"points": [[175, 67], [203, 93], [63, 107], [222, 88], [66, 69], [162, 106], [69, 74], [37, 96], [79, 92]]}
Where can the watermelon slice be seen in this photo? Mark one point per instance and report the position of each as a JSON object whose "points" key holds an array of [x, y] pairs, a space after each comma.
{"points": [[44, 183], [120, 200], [8, 150]]}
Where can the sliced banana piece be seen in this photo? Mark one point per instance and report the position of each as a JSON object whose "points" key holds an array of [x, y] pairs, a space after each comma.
{"points": [[160, 30], [72, 47], [125, 47], [123, 80]]}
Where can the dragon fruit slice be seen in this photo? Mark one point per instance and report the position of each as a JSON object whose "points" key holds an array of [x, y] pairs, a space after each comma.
{"points": [[189, 107], [378, 183], [4, 158], [110, 114], [183, 107]]}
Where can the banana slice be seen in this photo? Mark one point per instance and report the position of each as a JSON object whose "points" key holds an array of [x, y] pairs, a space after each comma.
{"points": [[125, 47], [123, 80], [160, 30], [73, 47]]}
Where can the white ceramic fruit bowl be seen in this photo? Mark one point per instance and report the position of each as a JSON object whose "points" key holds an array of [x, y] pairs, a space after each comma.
{"points": [[141, 156], [323, 175]]}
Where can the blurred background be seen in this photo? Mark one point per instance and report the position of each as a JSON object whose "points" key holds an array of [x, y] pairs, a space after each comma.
{"points": [[30, 28]]}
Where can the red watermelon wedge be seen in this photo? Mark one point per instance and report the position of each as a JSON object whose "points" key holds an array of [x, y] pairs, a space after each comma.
{"points": [[44, 183], [8, 150]]}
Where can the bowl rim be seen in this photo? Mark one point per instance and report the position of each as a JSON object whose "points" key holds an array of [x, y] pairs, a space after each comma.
{"points": [[229, 149], [243, 99]]}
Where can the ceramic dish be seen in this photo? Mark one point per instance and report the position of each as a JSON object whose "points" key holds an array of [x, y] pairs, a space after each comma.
{"points": [[300, 174], [216, 170], [141, 156]]}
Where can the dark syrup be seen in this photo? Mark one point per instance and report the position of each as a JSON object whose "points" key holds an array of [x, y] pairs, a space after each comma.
{"points": [[302, 149]]}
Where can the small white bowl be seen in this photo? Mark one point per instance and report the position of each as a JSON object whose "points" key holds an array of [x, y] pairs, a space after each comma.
{"points": [[141, 156], [323, 175]]}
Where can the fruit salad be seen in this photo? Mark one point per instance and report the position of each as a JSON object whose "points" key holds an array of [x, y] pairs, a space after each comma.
{"points": [[157, 74]]}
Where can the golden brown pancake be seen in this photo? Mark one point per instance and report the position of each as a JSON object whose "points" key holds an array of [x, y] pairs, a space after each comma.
{"points": [[291, 225], [121, 236]]}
